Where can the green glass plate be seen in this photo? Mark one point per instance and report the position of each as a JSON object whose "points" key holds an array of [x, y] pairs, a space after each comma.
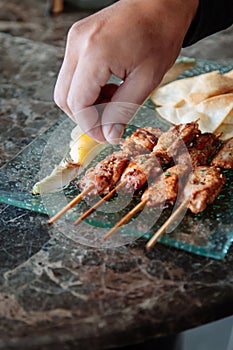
{"points": [[209, 233]]}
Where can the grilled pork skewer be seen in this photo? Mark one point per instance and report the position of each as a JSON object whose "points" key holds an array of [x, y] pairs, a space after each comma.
{"points": [[103, 178], [107, 172], [145, 168], [204, 185], [136, 174], [105, 175], [177, 135], [166, 186], [164, 190]]}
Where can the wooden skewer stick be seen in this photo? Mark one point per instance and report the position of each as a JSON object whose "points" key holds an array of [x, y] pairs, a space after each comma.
{"points": [[99, 203], [70, 205], [128, 216], [57, 6], [167, 223]]}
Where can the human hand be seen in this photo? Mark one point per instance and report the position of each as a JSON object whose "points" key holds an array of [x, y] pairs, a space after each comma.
{"points": [[135, 40]]}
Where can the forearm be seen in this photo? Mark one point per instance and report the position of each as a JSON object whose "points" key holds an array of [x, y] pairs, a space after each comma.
{"points": [[211, 17]]}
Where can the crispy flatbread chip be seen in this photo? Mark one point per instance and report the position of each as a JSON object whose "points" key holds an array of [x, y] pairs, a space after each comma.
{"points": [[185, 115], [177, 69], [211, 112], [208, 85], [169, 114], [173, 94], [217, 108], [207, 97], [181, 65], [204, 121]]}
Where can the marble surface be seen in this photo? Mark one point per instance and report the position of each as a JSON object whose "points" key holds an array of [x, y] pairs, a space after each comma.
{"points": [[54, 292]]}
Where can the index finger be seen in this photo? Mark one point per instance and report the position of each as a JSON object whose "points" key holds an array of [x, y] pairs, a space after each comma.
{"points": [[87, 81], [88, 78]]}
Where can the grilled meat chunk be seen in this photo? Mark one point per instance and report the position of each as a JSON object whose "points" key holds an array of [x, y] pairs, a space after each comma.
{"points": [[165, 187], [204, 185], [141, 141], [201, 150], [143, 167], [105, 174], [172, 142], [224, 158], [140, 170]]}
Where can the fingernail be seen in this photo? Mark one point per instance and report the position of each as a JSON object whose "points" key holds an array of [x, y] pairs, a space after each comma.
{"points": [[113, 132]]}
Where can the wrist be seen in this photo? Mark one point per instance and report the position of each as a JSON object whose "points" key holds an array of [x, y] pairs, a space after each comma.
{"points": [[179, 12]]}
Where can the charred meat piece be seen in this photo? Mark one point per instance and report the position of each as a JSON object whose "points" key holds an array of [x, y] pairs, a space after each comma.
{"points": [[165, 188], [173, 141], [141, 141], [202, 149], [105, 174], [204, 185], [224, 158], [140, 170], [145, 167]]}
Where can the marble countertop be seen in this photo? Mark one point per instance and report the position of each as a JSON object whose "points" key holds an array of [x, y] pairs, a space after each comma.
{"points": [[54, 292]]}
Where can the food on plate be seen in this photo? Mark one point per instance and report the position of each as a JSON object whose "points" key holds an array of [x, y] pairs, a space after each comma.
{"points": [[187, 174], [61, 175], [208, 97], [193, 90], [202, 187], [212, 113], [163, 187], [208, 85], [174, 93], [201, 150], [82, 150], [104, 176]]}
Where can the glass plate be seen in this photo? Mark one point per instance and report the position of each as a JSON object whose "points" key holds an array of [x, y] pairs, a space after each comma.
{"points": [[209, 233]]}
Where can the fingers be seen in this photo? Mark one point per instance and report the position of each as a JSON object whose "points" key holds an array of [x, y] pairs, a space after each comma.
{"points": [[85, 92], [62, 86], [65, 75], [105, 96], [78, 88], [126, 100]]}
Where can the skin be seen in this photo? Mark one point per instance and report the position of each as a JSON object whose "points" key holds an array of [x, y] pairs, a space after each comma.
{"points": [[135, 40]]}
